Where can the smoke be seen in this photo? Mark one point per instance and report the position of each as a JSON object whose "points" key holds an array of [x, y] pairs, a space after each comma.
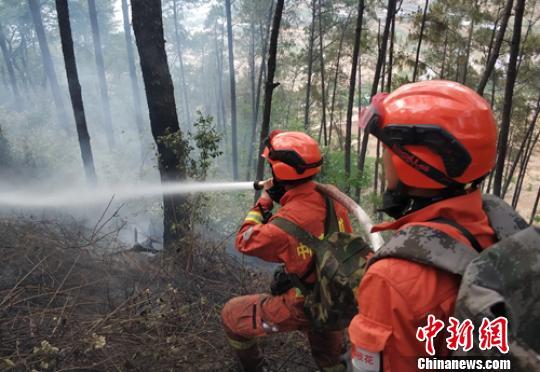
{"points": [[45, 175]]}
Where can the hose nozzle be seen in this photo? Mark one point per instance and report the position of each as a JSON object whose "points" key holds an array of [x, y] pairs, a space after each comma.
{"points": [[258, 185]]}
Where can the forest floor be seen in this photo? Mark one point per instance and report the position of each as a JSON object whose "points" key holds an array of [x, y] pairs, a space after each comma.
{"points": [[66, 306]]}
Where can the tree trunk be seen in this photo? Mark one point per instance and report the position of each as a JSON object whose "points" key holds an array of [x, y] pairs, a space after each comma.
{"points": [[252, 80], [48, 63], [444, 53], [352, 88], [391, 55], [493, 89], [185, 102], [262, 69], [492, 58], [219, 74], [420, 37], [232, 80], [508, 95], [535, 207], [390, 13], [523, 168], [310, 65], [75, 90], [148, 28], [135, 91], [336, 78], [458, 60], [269, 86], [469, 44], [11, 71], [528, 135], [358, 140], [4, 77], [103, 89], [323, 89]]}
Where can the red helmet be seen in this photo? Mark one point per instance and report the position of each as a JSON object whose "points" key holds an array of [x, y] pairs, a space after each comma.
{"points": [[441, 133], [292, 155]]}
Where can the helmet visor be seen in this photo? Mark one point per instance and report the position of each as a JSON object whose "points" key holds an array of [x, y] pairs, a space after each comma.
{"points": [[369, 118]]}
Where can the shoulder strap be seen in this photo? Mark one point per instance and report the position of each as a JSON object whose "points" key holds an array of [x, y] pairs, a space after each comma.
{"points": [[330, 221], [466, 233], [330, 225], [427, 246], [295, 231]]}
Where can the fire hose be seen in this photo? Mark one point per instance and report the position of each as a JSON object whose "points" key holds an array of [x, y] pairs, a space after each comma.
{"points": [[352, 207]]}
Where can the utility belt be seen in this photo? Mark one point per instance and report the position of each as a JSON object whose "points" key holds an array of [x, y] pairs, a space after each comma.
{"points": [[282, 281]]}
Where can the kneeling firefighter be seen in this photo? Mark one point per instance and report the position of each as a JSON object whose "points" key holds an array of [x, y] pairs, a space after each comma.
{"points": [[295, 158]]}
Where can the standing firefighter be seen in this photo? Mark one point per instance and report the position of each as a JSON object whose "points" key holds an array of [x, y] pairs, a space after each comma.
{"points": [[295, 158], [440, 143]]}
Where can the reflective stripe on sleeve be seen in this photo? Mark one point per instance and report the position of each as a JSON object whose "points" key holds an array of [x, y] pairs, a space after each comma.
{"points": [[254, 216]]}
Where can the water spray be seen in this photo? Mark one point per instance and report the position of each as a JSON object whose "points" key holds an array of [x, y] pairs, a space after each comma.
{"points": [[86, 195]]}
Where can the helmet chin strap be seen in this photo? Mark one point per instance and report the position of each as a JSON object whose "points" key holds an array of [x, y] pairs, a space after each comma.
{"points": [[398, 202]]}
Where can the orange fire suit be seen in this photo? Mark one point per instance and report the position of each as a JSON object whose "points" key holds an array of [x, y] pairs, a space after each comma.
{"points": [[396, 295], [248, 317]]}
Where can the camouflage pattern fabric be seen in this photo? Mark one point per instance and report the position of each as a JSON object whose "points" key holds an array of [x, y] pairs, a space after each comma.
{"points": [[505, 281], [501, 281], [340, 261], [502, 217]]}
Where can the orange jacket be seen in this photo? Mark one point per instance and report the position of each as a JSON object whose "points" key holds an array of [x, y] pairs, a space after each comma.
{"points": [[396, 295], [303, 205]]}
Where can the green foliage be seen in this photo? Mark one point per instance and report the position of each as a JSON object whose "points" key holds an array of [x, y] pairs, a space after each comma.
{"points": [[333, 171], [206, 141]]}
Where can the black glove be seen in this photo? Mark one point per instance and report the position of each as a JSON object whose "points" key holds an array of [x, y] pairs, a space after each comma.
{"points": [[277, 191]]}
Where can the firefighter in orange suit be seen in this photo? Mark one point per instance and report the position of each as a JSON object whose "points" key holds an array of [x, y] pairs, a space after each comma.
{"points": [[295, 158], [440, 142]]}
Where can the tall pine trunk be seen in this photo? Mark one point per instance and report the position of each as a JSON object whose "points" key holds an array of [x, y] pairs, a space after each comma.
{"points": [[420, 37], [75, 90], [508, 95], [494, 55], [535, 207], [469, 45], [391, 55], [523, 168], [148, 28], [219, 74], [528, 135], [443, 63], [48, 63], [310, 66], [262, 69], [135, 90], [185, 102], [336, 78], [269, 85], [390, 13], [103, 89], [11, 71], [352, 88], [232, 84], [323, 82]]}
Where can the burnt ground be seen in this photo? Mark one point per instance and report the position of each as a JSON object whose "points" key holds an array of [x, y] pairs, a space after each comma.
{"points": [[65, 306]]}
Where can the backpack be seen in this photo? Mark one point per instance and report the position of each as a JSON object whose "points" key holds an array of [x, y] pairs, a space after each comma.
{"points": [[339, 260], [503, 280]]}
